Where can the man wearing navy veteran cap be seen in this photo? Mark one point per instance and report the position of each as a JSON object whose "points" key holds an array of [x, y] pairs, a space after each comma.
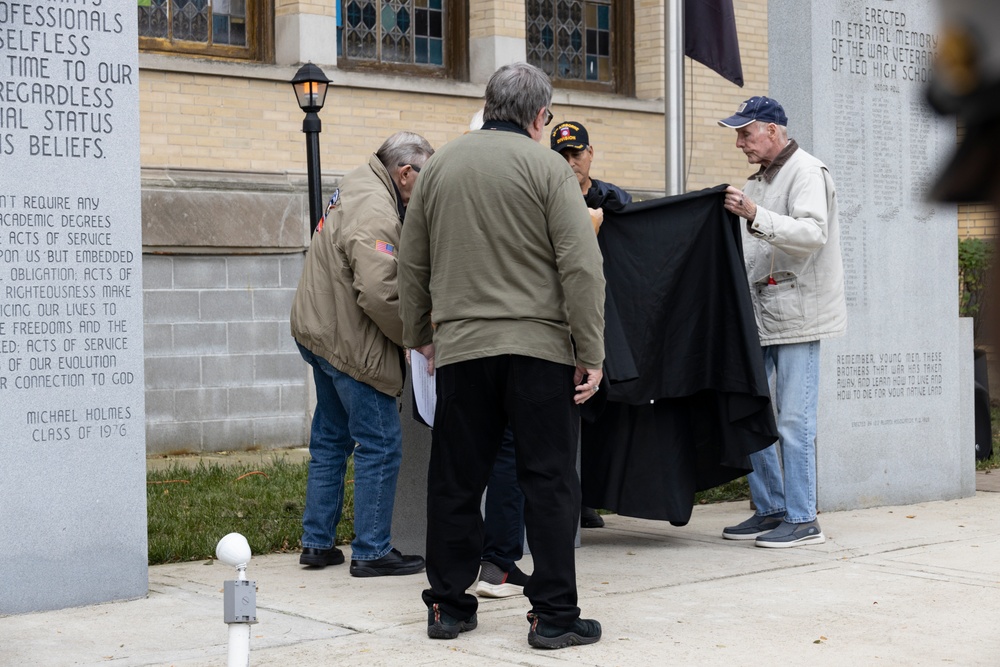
{"points": [[791, 247], [570, 139]]}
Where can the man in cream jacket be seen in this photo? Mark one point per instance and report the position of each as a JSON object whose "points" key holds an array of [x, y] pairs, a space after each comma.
{"points": [[791, 246]]}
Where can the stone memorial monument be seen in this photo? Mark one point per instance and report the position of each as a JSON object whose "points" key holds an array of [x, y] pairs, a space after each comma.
{"points": [[72, 460], [895, 416], [409, 514]]}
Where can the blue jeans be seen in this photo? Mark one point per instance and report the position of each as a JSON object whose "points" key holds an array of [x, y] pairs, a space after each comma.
{"points": [[503, 521], [789, 487], [349, 412]]}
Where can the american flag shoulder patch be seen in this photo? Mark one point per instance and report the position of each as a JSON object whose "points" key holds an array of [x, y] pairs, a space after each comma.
{"points": [[387, 248]]}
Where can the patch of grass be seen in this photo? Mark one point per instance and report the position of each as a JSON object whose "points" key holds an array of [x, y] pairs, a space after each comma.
{"points": [[191, 509], [738, 489]]}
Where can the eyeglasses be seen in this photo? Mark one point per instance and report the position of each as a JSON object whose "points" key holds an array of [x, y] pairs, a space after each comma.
{"points": [[411, 166], [548, 115]]}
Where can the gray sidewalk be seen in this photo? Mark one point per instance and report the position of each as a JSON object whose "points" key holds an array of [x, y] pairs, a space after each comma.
{"points": [[914, 585]]}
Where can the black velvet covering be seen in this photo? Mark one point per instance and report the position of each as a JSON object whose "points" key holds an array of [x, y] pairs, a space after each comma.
{"points": [[686, 399]]}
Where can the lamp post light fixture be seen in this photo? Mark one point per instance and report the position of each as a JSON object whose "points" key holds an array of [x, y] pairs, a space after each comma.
{"points": [[311, 84]]}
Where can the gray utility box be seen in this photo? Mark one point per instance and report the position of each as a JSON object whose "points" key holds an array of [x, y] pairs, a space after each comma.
{"points": [[240, 601]]}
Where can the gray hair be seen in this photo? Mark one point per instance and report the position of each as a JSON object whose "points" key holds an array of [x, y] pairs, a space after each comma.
{"points": [[516, 93], [782, 130], [404, 148]]}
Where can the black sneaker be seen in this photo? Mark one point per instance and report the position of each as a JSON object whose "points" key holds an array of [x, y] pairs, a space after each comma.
{"points": [[442, 626], [546, 635], [321, 557], [495, 583], [391, 564], [589, 518]]}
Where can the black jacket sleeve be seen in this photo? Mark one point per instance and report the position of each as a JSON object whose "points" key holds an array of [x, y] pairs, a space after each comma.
{"points": [[607, 196]]}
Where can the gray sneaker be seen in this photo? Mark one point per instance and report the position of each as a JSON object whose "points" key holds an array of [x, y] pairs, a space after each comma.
{"points": [[752, 527], [792, 535]]}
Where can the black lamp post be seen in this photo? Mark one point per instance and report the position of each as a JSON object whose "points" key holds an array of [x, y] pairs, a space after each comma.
{"points": [[310, 86]]}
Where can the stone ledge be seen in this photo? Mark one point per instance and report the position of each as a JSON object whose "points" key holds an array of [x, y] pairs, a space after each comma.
{"points": [[192, 208], [219, 179]]}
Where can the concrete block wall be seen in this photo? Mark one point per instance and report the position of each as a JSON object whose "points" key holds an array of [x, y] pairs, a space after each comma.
{"points": [[222, 370]]}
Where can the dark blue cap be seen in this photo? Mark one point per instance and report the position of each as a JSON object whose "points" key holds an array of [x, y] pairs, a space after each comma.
{"points": [[759, 108]]}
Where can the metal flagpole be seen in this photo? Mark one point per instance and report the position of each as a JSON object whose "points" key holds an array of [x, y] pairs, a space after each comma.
{"points": [[673, 95]]}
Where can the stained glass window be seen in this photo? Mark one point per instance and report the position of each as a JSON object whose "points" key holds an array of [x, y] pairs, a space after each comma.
{"points": [[229, 20], [226, 28], [393, 31], [571, 40]]}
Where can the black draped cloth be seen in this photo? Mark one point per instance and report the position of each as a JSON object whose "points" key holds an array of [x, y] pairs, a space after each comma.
{"points": [[687, 399]]}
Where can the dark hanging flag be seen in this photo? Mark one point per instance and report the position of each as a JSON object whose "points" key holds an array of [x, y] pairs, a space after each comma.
{"points": [[710, 37], [679, 314]]}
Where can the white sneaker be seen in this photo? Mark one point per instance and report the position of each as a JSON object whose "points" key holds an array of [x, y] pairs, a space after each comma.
{"points": [[495, 583]]}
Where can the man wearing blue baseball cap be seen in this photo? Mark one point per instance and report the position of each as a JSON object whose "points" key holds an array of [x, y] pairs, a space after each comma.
{"points": [[791, 248]]}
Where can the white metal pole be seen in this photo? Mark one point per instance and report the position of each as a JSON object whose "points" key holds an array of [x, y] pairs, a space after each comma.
{"points": [[673, 95], [239, 634], [239, 645]]}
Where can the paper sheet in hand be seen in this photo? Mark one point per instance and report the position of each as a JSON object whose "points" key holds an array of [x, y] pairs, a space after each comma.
{"points": [[424, 394]]}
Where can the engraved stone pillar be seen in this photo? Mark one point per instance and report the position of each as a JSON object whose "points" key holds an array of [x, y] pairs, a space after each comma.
{"points": [[72, 478], [851, 76]]}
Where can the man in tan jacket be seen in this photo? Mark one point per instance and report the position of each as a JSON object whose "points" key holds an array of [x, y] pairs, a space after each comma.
{"points": [[345, 321]]}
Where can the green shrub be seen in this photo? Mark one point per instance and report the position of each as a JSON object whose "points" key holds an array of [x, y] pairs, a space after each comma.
{"points": [[974, 258]]}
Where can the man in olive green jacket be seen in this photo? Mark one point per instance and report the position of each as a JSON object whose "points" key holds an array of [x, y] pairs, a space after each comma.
{"points": [[345, 320], [499, 253]]}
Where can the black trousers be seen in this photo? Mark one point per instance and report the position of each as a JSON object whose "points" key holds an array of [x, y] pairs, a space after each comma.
{"points": [[476, 400]]}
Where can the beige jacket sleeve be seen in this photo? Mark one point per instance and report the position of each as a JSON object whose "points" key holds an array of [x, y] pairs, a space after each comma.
{"points": [[371, 251]]}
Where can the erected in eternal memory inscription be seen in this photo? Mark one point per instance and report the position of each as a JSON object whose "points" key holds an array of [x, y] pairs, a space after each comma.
{"points": [[877, 56], [889, 426]]}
